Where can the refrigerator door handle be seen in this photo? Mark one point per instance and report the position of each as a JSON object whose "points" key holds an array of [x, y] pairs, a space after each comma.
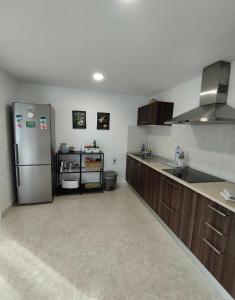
{"points": [[16, 154], [17, 176]]}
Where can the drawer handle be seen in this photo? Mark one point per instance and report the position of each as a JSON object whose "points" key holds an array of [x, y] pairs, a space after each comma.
{"points": [[212, 247], [167, 207], [213, 228], [216, 210], [140, 165]]}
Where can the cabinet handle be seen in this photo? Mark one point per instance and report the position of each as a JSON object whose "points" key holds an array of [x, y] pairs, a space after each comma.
{"points": [[213, 228], [212, 247], [140, 165], [216, 210], [17, 176], [167, 207], [16, 153]]}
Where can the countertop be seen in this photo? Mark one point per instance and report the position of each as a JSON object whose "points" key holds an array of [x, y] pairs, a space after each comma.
{"points": [[210, 190]]}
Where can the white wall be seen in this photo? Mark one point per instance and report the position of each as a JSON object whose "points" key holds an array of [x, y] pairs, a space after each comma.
{"points": [[208, 147], [9, 89], [136, 137], [123, 110]]}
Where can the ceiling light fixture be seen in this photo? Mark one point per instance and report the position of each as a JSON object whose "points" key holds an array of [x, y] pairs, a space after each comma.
{"points": [[98, 76], [204, 119]]}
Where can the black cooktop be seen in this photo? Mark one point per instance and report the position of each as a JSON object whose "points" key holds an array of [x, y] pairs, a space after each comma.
{"points": [[192, 176]]}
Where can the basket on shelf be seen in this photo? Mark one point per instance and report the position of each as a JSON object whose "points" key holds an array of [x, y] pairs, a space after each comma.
{"points": [[93, 164]]}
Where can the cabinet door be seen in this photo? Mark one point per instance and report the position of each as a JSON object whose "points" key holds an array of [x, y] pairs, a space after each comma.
{"points": [[130, 169], [143, 115], [155, 113], [156, 191], [139, 173], [148, 182], [137, 176], [229, 275], [189, 200], [170, 203]]}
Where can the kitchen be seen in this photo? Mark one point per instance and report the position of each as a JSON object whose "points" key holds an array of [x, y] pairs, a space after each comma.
{"points": [[165, 231]]}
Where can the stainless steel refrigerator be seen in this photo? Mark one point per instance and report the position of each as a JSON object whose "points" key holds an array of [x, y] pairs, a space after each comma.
{"points": [[34, 152]]}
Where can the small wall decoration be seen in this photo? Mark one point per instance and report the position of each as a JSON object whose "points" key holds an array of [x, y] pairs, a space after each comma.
{"points": [[103, 120], [79, 119]]}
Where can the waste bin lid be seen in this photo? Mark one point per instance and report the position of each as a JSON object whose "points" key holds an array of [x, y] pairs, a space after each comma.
{"points": [[110, 174]]}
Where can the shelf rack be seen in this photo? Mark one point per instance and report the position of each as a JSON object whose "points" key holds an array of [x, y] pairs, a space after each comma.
{"points": [[99, 186]]}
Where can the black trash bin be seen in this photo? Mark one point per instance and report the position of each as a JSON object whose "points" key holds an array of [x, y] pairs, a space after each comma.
{"points": [[110, 180]]}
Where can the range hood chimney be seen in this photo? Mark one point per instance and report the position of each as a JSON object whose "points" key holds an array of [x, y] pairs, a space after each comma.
{"points": [[213, 107]]}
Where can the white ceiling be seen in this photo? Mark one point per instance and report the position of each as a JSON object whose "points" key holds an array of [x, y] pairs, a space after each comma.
{"points": [[141, 46]]}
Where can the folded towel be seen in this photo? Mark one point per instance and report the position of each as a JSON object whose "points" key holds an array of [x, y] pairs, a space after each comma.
{"points": [[231, 199], [229, 193]]}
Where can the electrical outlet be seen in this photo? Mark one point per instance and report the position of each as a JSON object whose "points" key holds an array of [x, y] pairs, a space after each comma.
{"points": [[114, 161]]}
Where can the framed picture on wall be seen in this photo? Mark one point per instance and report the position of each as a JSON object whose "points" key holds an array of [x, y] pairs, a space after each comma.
{"points": [[79, 119], [103, 120]]}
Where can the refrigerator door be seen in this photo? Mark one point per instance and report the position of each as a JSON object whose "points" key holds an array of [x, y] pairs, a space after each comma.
{"points": [[33, 184], [32, 133]]}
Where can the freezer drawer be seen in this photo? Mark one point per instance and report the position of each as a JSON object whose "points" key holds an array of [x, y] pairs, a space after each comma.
{"points": [[34, 184]]}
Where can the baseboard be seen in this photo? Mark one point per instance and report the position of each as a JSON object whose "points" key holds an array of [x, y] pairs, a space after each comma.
{"points": [[5, 211]]}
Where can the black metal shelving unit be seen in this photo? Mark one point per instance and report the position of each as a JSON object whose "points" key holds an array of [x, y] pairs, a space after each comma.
{"points": [[83, 186]]}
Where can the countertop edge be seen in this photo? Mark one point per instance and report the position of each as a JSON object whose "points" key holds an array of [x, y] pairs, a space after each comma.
{"points": [[160, 167]]}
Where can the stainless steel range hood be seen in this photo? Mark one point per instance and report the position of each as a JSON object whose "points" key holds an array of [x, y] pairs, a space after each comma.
{"points": [[213, 107]]}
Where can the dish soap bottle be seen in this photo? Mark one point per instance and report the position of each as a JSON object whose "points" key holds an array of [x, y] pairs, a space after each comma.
{"points": [[179, 157]]}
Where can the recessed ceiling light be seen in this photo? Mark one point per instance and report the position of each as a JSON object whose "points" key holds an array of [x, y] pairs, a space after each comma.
{"points": [[98, 76], [128, 1]]}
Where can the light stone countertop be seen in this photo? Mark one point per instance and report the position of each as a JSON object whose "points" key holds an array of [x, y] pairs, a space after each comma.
{"points": [[210, 190]]}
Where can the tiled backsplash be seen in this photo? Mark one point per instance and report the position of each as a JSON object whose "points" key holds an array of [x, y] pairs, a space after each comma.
{"points": [[209, 148]]}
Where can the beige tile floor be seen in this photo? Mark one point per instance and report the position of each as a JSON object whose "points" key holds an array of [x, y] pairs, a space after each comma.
{"points": [[94, 247]]}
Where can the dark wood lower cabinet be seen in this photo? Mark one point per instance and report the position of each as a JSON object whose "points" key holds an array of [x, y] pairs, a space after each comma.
{"points": [[148, 195], [156, 191], [212, 237], [229, 275], [189, 200], [170, 203], [205, 227]]}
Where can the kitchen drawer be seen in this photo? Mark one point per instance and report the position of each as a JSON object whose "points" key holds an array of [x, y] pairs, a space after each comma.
{"points": [[211, 241], [218, 217], [215, 237], [229, 275], [211, 257], [170, 203]]}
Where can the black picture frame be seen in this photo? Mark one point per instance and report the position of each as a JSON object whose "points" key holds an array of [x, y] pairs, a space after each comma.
{"points": [[103, 121], [79, 119]]}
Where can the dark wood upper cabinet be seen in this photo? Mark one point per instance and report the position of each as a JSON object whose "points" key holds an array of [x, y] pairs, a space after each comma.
{"points": [[155, 113]]}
